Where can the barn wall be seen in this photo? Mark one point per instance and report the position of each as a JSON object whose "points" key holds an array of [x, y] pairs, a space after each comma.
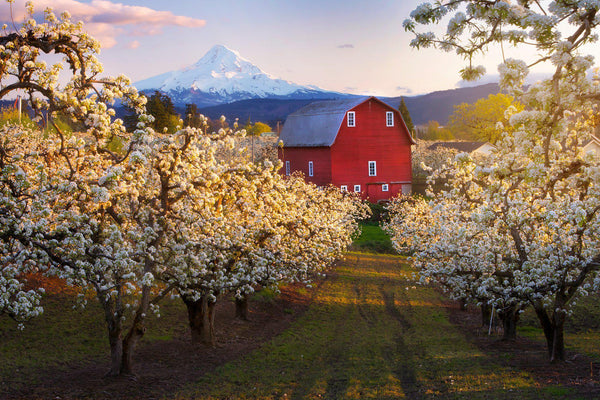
{"points": [[299, 158], [372, 140]]}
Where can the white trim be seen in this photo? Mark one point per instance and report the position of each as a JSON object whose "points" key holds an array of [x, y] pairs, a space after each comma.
{"points": [[372, 171], [357, 188], [389, 118], [385, 187], [310, 168], [344, 188], [287, 168], [351, 119]]}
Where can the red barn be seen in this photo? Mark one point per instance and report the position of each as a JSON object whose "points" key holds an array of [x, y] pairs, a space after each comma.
{"points": [[359, 145]]}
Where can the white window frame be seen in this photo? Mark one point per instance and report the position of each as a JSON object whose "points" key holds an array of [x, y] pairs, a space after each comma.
{"points": [[389, 118], [385, 187], [344, 188], [287, 168], [372, 168], [310, 168], [351, 119], [357, 188]]}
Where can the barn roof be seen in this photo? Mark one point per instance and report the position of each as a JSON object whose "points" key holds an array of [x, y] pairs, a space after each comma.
{"points": [[466, 147], [318, 123]]}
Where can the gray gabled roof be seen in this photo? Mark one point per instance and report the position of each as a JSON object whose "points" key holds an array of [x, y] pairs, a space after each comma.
{"points": [[317, 124]]}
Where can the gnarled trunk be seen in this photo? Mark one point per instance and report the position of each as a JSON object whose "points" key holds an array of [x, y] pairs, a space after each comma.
{"points": [[112, 315], [137, 330], [122, 349], [553, 327], [510, 319], [115, 340], [201, 317], [241, 308], [486, 314]]}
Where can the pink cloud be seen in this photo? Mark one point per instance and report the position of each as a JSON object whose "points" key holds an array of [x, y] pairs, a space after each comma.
{"points": [[106, 20], [133, 45]]}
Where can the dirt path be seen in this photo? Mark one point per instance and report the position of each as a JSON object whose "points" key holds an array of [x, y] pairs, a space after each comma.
{"points": [[369, 332]]}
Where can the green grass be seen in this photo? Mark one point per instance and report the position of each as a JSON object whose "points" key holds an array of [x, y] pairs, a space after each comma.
{"points": [[370, 333], [373, 240], [65, 335], [582, 328]]}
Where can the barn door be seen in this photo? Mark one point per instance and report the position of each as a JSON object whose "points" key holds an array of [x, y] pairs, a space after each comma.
{"points": [[374, 192]]}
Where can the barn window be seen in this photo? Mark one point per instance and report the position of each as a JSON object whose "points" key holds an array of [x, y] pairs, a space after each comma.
{"points": [[344, 188], [351, 119], [310, 168], [357, 188], [389, 118], [372, 168], [385, 187], [287, 167]]}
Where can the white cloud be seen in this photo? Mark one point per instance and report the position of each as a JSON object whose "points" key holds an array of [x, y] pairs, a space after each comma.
{"points": [[106, 20]]}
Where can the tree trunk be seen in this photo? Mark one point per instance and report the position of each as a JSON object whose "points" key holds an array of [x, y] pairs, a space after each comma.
{"points": [[116, 349], [486, 314], [137, 330], [201, 317], [558, 343], [509, 318], [553, 331], [133, 337], [112, 316], [241, 308]]}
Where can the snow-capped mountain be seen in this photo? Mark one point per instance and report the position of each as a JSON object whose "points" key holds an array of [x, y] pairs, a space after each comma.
{"points": [[223, 76]]}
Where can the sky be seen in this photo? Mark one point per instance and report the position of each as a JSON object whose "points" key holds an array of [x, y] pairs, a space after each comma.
{"points": [[354, 46]]}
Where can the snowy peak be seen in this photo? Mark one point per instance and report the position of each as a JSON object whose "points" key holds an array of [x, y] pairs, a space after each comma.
{"points": [[222, 75], [222, 61]]}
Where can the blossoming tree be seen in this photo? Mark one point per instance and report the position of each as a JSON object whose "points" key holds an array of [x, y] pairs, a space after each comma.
{"points": [[232, 225], [163, 213], [524, 228], [68, 200]]}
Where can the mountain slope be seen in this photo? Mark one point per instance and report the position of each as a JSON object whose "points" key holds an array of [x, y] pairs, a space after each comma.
{"points": [[438, 106], [435, 106], [223, 76]]}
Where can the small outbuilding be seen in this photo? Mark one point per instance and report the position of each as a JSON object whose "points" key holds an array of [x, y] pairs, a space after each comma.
{"points": [[359, 145]]}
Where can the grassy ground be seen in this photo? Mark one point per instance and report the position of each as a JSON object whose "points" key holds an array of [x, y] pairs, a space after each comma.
{"points": [[370, 332], [373, 239], [582, 329]]}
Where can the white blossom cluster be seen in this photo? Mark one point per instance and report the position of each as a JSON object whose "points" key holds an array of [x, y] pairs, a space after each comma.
{"points": [[231, 225], [523, 229], [474, 28], [166, 213]]}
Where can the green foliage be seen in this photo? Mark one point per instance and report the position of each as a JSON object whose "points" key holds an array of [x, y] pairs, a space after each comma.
{"points": [[378, 214], [433, 131], [192, 117], [479, 120], [64, 125], [406, 116], [161, 108], [257, 128], [265, 295], [10, 115]]}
